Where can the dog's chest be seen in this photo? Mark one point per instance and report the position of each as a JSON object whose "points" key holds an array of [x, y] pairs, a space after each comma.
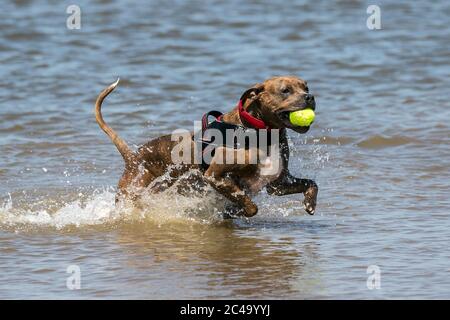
{"points": [[268, 170]]}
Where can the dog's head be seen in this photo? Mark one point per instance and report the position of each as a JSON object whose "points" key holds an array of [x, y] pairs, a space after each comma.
{"points": [[273, 100]]}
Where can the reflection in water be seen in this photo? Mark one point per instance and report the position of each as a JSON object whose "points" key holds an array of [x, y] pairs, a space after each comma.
{"points": [[234, 262]]}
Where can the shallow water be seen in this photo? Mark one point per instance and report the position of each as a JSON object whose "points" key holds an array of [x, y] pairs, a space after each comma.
{"points": [[379, 149]]}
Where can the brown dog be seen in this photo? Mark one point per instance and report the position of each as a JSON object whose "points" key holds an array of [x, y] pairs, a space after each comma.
{"points": [[268, 103]]}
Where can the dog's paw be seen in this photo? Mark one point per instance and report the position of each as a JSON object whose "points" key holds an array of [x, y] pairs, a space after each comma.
{"points": [[309, 203], [250, 210], [310, 207]]}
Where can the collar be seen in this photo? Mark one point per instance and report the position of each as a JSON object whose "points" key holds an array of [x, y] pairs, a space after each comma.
{"points": [[251, 120]]}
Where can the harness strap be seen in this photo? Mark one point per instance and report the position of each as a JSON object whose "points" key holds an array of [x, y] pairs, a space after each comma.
{"points": [[251, 120], [215, 114], [218, 124]]}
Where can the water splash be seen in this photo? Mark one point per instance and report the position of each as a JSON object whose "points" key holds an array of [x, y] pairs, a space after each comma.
{"points": [[96, 209], [99, 208]]}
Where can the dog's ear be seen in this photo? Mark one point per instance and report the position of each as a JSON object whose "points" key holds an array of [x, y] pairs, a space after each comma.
{"points": [[253, 92]]}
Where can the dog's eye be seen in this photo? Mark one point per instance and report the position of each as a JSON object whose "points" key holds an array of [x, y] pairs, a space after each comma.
{"points": [[286, 91]]}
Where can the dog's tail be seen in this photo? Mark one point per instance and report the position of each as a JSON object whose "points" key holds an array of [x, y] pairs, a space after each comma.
{"points": [[120, 144]]}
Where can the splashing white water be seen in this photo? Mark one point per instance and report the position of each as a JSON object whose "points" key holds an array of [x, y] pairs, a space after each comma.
{"points": [[99, 208], [96, 209]]}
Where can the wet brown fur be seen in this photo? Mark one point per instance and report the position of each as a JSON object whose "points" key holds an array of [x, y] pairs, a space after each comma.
{"points": [[265, 101]]}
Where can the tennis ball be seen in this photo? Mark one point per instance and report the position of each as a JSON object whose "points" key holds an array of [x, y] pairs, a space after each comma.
{"points": [[302, 118]]}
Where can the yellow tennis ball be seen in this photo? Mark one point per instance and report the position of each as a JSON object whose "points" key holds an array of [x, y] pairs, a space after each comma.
{"points": [[302, 118]]}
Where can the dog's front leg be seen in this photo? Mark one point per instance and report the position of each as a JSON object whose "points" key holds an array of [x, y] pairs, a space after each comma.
{"points": [[288, 184], [227, 187]]}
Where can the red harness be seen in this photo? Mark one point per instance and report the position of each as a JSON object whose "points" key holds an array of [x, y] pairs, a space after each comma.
{"points": [[251, 120], [244, 115]]}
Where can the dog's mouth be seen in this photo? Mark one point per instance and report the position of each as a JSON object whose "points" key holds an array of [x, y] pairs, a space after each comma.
{"points": [[284, 118]]}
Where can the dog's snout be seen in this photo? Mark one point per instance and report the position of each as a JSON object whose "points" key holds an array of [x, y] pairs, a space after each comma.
{"points": [[309, 101], [309, 98]]}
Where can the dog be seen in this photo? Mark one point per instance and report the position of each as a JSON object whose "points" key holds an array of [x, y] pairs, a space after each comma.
{"points": [[264, 106]]}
